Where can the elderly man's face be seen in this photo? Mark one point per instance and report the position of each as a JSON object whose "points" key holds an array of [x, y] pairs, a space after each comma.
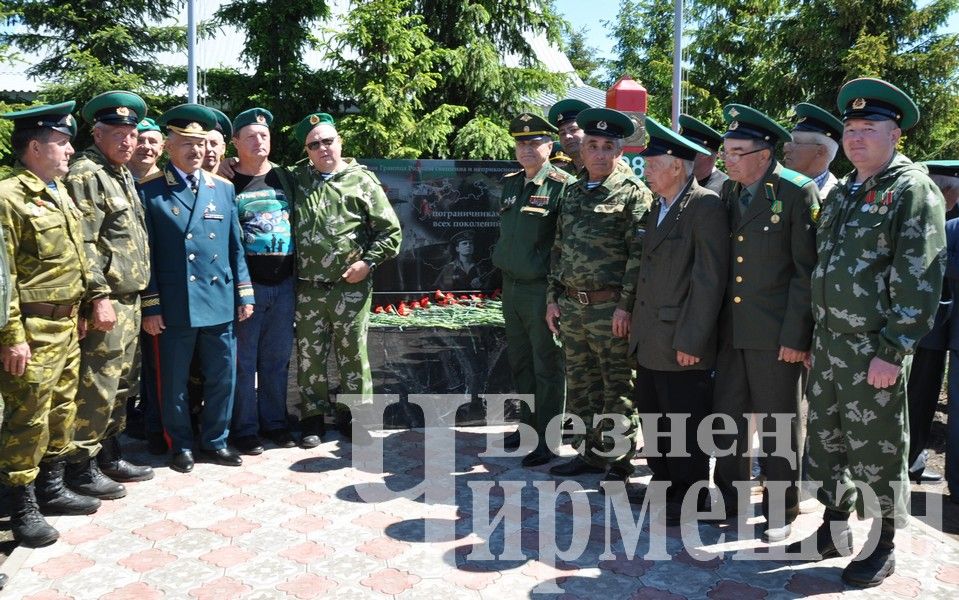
{"points": [[50, 158], [214, 150], [149, 147], [533, 153], [185, 152], [252, 142], [117, 142], [802, 153], [663, 174], [324, 147], [600, 155], [745, 163], [869, 144]]}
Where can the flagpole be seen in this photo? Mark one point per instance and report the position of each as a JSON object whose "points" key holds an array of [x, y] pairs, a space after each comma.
{"points": [[677, 61], [191, 50]]}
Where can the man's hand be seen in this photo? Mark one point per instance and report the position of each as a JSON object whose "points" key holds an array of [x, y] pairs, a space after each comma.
{"points": [[621, 320], [792, 356], [357, 272], [81, 328], [15, 358], [104, 318], [226, 168], [686, 360], [153, 325], [244, 312], [882, 374], [552, 317]]}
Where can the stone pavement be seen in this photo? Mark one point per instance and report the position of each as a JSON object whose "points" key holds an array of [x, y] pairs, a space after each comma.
{"points": [[294, 524]]}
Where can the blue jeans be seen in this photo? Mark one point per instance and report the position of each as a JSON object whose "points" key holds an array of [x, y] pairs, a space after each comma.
{"points": [[264, 344], [952, 425]]}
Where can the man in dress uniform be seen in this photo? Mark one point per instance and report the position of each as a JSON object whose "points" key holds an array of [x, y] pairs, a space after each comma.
{"points": [[766, 324], [591, 291], [198, 284], [816, 138], [875, 291], [528, 209], [678, 297], [345, 227], [114, 236], [39, 344], [562, 115], [707, 175]]}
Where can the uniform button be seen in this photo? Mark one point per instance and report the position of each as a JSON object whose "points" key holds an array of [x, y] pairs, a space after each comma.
{"points": [[192, 256], [212, 235], [740, 238], [216, 256], [189, 236], [215, 279], [739, 259], [192, 277], [739, 278], [737, 299]]}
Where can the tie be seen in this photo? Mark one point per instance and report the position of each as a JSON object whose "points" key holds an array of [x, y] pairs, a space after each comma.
{"points": [[194, 183], [745, 198]]}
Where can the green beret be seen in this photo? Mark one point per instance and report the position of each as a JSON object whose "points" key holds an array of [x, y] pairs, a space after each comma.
{"points": [[309, 122], [527, 126], [810, 117], [191, 120], [147, 124], [605, 122], [877, 100], [46, 116], [115, 108], [747, 123], [223, 124], [663, 140], [949, 168], [700, 133], [253, 116], [565, 111]]}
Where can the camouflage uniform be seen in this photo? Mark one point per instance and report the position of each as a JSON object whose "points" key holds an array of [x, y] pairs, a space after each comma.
{"points": [[598, 246], [114, 237], [45, 247], [338, 221], [875, 290], [528, 213]]}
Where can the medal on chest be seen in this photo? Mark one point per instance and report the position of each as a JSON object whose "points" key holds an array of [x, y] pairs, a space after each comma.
{"points": [[38, 207], [776, 207], [539, 201]]}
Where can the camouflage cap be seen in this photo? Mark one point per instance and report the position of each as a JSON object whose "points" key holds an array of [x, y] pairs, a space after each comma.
{"points": [[190, 120], [253, 116], [45, 116], [810, 117], [305, 126], [565, 111], [663, 140], [605, 122], [528, 126], [746, 123], [700, 133], [877, 100], [115, 108]]}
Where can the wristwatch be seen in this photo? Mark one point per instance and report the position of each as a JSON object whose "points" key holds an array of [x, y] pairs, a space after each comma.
{"points": [[370, 264]]}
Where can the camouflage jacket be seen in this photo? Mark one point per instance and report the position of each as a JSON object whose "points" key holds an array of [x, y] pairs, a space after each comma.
{"points": [[44, 246], [340, 221], [528, 212], [599, 237], [114, 230], [881, 257]]}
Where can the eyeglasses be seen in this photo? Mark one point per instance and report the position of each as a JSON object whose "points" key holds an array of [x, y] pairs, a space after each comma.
{"points": [[322, 142], [734, 156]]}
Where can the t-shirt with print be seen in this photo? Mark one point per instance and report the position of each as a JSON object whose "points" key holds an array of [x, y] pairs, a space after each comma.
{"points": [[264, 212]]}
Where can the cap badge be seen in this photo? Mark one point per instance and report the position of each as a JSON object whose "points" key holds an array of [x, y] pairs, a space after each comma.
{"points": [[123, 111], [734, 125], [733, 112], [525, 128], [314, 119], [525, 117], [68, 120], [859, 104], [260, 119], [144, 123], [601, 125]]}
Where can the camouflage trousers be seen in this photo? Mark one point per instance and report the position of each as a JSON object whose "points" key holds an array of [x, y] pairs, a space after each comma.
{"points": [[599, 378], [856, 432], [332, 319], [39, 406], [109, 373]]}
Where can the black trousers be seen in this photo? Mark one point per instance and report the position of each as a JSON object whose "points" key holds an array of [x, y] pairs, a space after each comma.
{"points": [[922, 392]]}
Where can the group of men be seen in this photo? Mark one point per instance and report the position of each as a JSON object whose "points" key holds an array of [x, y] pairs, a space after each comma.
{"points": [[104, 244], [731, 296]]}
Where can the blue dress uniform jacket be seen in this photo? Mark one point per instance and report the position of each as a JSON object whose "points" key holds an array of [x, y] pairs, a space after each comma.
{"points": [[198, 273]]}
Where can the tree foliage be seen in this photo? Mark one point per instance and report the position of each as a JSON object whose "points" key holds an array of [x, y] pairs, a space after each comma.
{"points": [[584, 58]]}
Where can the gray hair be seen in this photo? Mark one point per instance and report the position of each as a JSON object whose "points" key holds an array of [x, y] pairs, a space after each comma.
{"points": [[832, 146], [688, 166]]}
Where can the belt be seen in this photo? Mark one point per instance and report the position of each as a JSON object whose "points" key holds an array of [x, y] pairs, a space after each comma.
{"points": [[594, 296], [49, 310]]}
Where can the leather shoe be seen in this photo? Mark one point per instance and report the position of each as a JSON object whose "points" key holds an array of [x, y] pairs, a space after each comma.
{"points": [[537, 457], [313, 428], [281, 437], [182, 461], [248, 444], [925, 476], [576, 466], [224, 456]]}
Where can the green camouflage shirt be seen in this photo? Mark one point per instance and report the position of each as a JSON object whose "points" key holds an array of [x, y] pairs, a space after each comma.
{"points": [[114, 229], [599, 237], [44, 245], [528, 212], [881, 257], [340, 221]]}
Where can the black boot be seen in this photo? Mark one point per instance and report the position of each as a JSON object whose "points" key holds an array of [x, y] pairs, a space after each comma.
{"points": [[312, 429], [113, 466], [55, 498], [85, 478], [869, 570], [29, 527], [829, 545]]}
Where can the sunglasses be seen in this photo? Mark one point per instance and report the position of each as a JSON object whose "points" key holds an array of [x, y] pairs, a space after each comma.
{"points": [[322, 142]]}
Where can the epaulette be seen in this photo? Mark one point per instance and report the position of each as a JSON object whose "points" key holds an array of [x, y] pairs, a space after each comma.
{"points": [[794, 177], [365, 170], [561, 176], [151, 177], [514, 173]]}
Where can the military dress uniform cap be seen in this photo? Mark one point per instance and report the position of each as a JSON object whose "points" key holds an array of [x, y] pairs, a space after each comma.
{"points": [[528, 126], [115, 108], [663, 140], [309, 122], [565, 111], [46, 116], [223, 124], [810, 117], [253, 116], [605, 122], [700, 133], [190, 120], [746, 123], [949, 168], [147, 124], [877, 100]]}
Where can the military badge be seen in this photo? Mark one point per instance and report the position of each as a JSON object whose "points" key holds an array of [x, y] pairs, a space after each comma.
{"points": [[601, 125], [123, 111], [68, 120], [539, 200], [883, 209], [507, 203], [525, 117], [260, 119], [144, 123], [733, 112], [777, 204], [176, 211], [859, 104], [733, 125], [210, 207], [525, 128], [814, 214], [314, 119]]}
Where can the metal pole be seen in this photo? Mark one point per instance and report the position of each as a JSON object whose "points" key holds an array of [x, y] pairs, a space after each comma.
{"points": [[677, 61], [191, 50]]}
